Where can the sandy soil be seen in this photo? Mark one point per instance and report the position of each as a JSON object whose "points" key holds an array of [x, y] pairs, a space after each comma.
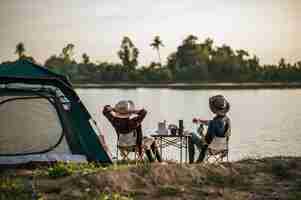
{"points": [[268, 178]]}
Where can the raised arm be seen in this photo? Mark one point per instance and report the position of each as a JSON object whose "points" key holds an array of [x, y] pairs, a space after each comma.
{"points": [[198, 120], [140, 116], [107, 112]]}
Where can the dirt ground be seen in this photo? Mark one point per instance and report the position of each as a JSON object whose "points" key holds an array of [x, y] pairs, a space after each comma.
{"points": [[267, 178]]}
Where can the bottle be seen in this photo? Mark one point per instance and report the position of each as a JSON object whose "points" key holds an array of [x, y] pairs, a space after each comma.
{"points": [[181, 127]]}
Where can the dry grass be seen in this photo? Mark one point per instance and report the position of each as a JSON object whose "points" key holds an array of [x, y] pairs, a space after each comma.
{"points": [[268, 178]]}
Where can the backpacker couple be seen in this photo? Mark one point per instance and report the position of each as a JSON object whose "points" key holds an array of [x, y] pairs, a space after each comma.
{"points": [[126, 120]]}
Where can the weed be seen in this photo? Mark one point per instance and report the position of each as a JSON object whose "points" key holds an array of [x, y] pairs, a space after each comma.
{"points": [[216, 179], [169, 190], [227, 180], [146, 168], [59, 170], [13, 185], [114, 196], [13, 189], [294, 195], [116, 167], [280, 169], [62, 169]]}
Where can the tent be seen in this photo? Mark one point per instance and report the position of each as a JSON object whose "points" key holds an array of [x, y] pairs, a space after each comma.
{"points": [[43, 119]]}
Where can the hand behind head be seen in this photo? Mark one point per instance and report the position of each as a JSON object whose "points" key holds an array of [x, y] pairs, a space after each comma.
{"points": [[194, 120]]}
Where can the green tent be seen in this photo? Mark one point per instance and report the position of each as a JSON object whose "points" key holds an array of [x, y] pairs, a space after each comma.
{"points": [[43, 119]]}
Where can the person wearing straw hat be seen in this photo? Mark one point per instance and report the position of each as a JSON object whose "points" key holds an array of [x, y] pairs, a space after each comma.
{"points": [[217, 127], [125, 119]]}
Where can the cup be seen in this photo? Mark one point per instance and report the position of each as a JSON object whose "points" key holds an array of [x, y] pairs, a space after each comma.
{"points": [[162, 130]]}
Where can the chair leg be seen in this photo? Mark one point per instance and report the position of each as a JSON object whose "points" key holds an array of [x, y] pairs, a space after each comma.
{"points": [[217, 157], [206, 158], [124, 155], [138, 157], [117, 152], [136, 162]]}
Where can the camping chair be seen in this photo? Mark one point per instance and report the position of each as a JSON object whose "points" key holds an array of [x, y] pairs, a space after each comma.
{"points": [[218, 149], [126, 144]]}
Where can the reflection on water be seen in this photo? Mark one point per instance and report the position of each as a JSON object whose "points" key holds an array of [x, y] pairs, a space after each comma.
{"points": [[264, 122]]}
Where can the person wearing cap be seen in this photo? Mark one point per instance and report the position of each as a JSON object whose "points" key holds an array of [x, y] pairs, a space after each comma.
{"points": [[125, 119], [217, 127]]}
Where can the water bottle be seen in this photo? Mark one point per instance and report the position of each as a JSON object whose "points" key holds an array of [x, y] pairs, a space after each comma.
{"points": [[181, 127]]}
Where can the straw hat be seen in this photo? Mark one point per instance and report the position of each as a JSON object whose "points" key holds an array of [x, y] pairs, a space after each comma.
{"points": [[219, 105], [124, 109]]}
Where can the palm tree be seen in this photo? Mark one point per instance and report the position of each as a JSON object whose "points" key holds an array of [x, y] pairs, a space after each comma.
{"points": [[128, 53], [190, 40], [209, 44], [156, 44], [20, 49], [67, 53], [282, 63], [86, 58]]}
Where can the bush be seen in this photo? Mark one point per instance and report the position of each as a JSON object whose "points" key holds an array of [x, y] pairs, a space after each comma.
{"points": [[13, 189], [114, 196], [59, 170], [62, 169], [280, 169], [169, 190]]}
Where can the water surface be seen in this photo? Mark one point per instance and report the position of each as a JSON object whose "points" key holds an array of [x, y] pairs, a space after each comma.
{"points": [[264, 122]]}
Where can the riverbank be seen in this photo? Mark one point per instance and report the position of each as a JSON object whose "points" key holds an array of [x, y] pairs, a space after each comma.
{"points": [[267, 178], [190, 86]]}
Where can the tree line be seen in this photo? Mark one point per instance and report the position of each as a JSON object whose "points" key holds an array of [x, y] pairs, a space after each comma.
{"points": [[193, 61]]}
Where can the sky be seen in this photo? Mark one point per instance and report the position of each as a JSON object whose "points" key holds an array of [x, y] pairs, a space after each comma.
{"points": [[268, 28]]}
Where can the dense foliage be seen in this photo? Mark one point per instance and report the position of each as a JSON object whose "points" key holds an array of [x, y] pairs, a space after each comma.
{"points": [[193, 61]]}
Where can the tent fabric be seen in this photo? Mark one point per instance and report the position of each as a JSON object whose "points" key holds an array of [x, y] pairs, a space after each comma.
{"points": [[34, 121], [89, 142], [80, 134], [54, 83], [47, 157], [24, 68]]}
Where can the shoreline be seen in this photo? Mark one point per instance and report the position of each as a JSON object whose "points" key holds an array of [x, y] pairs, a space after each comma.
{"points": [[265, 178], [190, 86]]}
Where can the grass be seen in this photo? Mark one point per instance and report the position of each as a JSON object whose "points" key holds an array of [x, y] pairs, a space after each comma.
{"points": [[169, 190], [13, 189], [294, 195], [217, 177], [63, 169], [280, 170], [145, 168], [114, 196], [263, 178]]}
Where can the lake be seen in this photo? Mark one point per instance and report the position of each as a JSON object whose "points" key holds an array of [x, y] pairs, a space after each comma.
{"points": [[264, 122]]}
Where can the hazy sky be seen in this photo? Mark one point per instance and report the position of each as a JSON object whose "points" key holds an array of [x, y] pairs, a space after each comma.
{"points": [[267, 28]]}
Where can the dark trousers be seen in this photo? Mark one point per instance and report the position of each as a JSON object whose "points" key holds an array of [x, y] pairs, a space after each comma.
{"points": [[196, 142], [153, 151], [150, 153]]}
